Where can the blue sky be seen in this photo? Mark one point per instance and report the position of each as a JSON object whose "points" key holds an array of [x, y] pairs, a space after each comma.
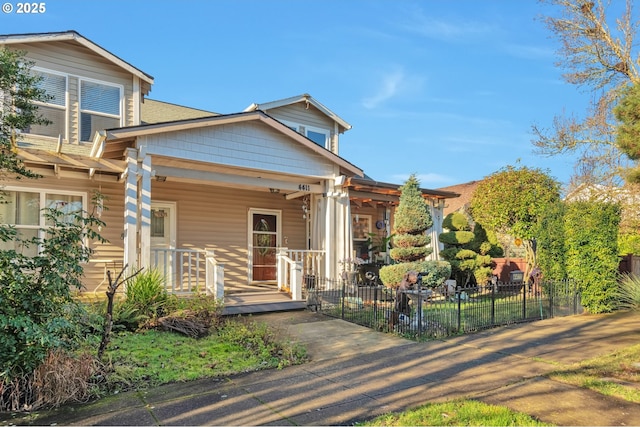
{"points": [[447, 90]]}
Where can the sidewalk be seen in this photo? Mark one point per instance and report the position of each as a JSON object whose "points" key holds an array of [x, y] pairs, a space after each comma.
{"points": [[356, 374]]}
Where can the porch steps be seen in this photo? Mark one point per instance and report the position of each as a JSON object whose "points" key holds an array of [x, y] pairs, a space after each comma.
{"points": [[260, 302]]}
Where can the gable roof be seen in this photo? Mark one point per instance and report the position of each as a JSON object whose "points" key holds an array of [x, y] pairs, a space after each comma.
{"points": [[76, 37], [118, 135], [154, 111], [297, 99], [462, 203]]}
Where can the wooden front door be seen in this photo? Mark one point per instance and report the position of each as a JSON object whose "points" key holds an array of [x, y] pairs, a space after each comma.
{"points": [[264, 240]]}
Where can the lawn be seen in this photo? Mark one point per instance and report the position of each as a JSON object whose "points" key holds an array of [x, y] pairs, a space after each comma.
{"points": [[616, 374], [147, 358]]}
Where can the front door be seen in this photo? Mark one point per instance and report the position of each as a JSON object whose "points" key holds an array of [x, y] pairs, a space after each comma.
{"points": [[264, 239], [163, 238]]}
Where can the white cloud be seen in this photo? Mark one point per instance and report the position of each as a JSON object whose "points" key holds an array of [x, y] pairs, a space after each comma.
{"points": [[447, 30], [388, 88]]}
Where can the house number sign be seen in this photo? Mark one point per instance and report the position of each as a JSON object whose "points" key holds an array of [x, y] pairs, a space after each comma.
{"points": [[304, 187]]}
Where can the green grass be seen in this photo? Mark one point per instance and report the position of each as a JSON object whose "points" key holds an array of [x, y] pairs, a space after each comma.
{"points": [[149, 358], [616, 374], [459, 412]]}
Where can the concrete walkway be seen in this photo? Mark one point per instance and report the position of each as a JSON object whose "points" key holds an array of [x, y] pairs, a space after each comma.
{"points": [[356, 374]]}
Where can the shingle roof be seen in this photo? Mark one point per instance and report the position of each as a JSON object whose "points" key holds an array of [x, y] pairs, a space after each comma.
{"points": [[153, 111], [460, 203]]}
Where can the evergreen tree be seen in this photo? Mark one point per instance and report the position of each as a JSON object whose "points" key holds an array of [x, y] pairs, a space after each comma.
{"points": [[410, 242]]}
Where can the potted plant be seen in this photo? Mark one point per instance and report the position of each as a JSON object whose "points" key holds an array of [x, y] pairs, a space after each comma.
{"points": [[379, 245]]}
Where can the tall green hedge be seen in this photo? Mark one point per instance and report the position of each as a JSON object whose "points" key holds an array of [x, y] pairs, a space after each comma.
{"points": [[550, 242], [591, 232]]}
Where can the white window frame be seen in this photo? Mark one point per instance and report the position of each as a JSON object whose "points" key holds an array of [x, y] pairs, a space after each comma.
{"points": [[56, 106], [121, 105], [303, 129], [42, 223]]}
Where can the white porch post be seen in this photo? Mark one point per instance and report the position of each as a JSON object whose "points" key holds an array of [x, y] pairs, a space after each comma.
{"points": [[131, 209], [145, 210], [436, 208], [330, 232]]}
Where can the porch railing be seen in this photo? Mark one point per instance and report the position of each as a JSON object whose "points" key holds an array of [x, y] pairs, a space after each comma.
{"points": [[292, 265], [188, 271]]}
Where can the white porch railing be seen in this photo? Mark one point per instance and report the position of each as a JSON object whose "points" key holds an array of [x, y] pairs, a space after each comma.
{"points": [[293, 265], [188, 271]]}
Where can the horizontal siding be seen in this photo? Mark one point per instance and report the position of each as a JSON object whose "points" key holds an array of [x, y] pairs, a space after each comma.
{"points": [[250, 145], [297, 113], [113, 217], [71, 58], [75, 60], [215, 218]]}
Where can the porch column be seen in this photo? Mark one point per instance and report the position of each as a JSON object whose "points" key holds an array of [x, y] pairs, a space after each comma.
{"points": [[330, 232], [145, 210], [130, 233], [436, 208]]}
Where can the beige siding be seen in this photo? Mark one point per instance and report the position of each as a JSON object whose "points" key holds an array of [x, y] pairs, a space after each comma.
{"points": [[77, 61], [248, 145], [112, 216], [215, 218], [298, 113]]}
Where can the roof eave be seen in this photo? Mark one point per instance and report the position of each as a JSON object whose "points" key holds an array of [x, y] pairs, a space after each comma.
{"points": [[77, 37]]}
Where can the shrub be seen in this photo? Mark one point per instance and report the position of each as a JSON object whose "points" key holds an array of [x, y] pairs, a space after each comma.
{"points": [[551, 252], [146, 291], [628, 292], [37, 311], [59, 379], [591, 231], [412, 219], [433, 273], [469, 252]]}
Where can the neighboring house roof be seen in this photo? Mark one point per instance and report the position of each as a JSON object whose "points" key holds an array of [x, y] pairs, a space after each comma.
{"points": [[116, 137], [463, 202], [300, 98], [153, 111], [384, 191], [78, 38]]}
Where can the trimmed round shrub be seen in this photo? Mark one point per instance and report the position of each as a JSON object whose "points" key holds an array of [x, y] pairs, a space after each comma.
{"points": [[466, 254], [410, 254], [456, 237], [434, 273], [456, 221], [409, 240]]}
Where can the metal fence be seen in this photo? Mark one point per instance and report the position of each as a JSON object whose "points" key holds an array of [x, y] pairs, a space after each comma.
{"points": [[433, 313]]}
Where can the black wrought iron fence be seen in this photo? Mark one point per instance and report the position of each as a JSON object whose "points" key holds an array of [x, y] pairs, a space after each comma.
{"points": [[433, 313]]}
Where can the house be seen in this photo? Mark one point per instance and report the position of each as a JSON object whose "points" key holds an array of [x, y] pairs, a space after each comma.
{"points": [[215, 201]]}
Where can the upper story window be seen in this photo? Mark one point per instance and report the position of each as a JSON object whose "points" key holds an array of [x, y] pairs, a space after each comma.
{"points": [[100, 107], [55, 108], [317, 135]]}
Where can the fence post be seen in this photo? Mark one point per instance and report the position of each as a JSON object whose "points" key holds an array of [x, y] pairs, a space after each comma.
{"points": [[342, 296], [459, 308], [419, 314], [375, 307], [524, 301], [493, 304]]}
